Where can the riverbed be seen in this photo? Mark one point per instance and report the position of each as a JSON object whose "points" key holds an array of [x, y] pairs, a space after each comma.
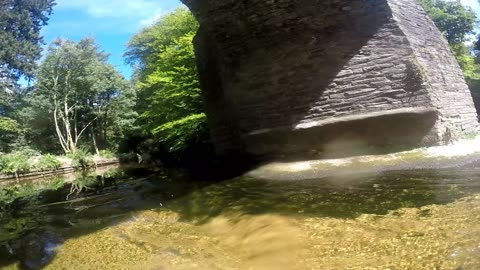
{"points": [[422, 219]]}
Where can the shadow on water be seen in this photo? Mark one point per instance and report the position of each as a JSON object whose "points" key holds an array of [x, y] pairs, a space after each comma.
{"points": [[30, 229], [340, 197]]}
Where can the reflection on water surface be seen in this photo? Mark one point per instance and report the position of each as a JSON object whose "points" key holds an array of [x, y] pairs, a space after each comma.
{"points": [[397, 220]]}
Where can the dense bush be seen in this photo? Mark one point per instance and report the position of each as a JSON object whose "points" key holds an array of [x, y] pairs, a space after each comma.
{"points": [[48, 162], [81, 158], [15, 163]]}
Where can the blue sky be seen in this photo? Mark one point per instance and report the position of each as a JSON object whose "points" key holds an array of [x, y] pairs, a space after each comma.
{"points": [[473, 4], [111, 22]]}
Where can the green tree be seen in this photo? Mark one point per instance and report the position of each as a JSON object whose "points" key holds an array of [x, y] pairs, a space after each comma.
{"points": [[79, 91], [452, 18], [39, 128], [170, 103], [471, 71], [20, 41], [9, 130], [113, 108]]}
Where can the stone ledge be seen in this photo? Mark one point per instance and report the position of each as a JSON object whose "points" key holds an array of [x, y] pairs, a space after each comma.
{"points": [[347, 118]]}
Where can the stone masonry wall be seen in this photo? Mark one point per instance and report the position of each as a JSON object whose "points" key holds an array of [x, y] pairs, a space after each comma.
{"points": [[446, 85], [278, 74]]}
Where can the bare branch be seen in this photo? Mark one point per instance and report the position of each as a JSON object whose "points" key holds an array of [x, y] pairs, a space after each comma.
{"points": [[81, 131]]}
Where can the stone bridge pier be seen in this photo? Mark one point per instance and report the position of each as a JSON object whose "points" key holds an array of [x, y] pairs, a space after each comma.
{"points": [[290, 78]]}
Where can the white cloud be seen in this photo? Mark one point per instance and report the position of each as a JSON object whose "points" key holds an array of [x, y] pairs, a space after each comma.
{"points": [[473, 4], [152, 19], [113, 8], [110, 16]]}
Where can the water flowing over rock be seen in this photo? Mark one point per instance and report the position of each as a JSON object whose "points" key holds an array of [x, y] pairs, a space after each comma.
{"points": [[286, 77]]}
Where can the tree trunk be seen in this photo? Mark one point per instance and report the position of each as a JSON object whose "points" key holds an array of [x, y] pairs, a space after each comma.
{"points": [[94, 141], [60, 136], [72, 144]]}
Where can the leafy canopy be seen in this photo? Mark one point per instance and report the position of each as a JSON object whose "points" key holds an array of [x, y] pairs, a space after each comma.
{"points": [[85, 98], [452, 18], [20, 40], [169, 100]]}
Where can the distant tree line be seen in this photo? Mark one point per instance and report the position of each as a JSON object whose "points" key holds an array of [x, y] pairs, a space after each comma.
{"points": [[74, 100]]}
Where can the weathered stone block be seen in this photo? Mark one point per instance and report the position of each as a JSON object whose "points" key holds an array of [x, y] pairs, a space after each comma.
{"points": [[283, 77]]}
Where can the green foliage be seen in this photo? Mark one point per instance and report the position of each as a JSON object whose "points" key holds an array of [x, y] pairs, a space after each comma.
{"points": [[415, 75], [470, 136], [466, 60], [174, 87], [12, 128], [8, 125], [452, 18], [20, 48], [105, 153], [27, 151], [99, 102], [177, 135], [144, 48], [169, 98], [81, 158], [48, 162], [12, 193], [114, 173], [9, 130], [20, 40], [38, 124], [471, 70], [84, 180], [15, 163]]}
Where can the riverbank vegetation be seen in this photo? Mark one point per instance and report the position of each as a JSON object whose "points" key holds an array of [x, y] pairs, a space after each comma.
{"points": [[77, 104], [18, 163]]}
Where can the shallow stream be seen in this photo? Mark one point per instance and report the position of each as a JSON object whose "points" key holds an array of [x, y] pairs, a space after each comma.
{"points": [[138, 220]]}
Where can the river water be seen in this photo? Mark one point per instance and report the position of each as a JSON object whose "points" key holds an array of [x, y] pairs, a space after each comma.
{"points": [[139, 220]]}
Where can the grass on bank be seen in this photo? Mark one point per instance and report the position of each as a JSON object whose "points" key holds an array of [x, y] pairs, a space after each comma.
{"points": [[21, 162]]}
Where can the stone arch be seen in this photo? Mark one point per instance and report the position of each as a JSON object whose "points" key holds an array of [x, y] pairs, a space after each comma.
{"points": [[280, 76]]}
